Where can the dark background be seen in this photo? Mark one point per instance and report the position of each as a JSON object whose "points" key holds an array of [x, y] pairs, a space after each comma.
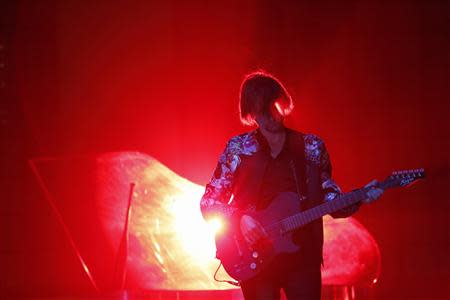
{"points": [[162, 77]]}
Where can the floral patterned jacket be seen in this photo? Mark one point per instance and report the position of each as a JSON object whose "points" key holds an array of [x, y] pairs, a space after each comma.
{"points": [[218, 200]]}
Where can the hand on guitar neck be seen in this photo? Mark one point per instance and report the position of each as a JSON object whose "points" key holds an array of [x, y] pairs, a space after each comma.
{"points": [[374, 193]]}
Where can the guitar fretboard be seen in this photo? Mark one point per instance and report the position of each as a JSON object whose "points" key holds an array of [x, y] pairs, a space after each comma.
{"points": [[340, 202]]}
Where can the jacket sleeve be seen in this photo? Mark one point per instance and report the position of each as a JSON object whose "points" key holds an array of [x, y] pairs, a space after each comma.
{"points": [[330, 187], [215, 202]]}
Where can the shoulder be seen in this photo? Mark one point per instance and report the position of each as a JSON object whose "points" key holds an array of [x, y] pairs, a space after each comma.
{"points": [[312, 140], [314, 147], [245, 143]]}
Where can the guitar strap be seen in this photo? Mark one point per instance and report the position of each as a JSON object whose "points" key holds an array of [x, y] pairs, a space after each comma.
{"points": [[298, 164], [309, 189]]}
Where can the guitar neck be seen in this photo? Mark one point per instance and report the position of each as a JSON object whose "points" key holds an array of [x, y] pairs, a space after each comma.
{"points": [[341, 201]]}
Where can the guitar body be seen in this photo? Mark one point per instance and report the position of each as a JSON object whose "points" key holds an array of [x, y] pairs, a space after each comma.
{"points": [[243, 262]]}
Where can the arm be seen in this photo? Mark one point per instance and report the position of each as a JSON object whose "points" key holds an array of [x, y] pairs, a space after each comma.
{"points": [[329, 186], [215, 200]]}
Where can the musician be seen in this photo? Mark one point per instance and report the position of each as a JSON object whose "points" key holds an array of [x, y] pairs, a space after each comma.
{"points": [[257, 166]]}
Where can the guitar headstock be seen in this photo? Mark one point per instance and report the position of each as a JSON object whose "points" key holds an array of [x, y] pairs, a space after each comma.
{"points": [[405, 177]]}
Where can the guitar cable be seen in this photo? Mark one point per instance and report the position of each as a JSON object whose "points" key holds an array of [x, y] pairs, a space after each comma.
{"points": [[235, 283]]}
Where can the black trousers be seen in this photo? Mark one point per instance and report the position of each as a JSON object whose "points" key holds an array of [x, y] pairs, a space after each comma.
{"points": [[299, 282]]}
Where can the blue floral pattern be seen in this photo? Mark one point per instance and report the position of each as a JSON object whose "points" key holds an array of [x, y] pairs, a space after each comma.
{"points": [[216, 199]]}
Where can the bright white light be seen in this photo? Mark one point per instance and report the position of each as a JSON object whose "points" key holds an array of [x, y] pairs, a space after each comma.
{"points": [[215, 225], [195, 234]]}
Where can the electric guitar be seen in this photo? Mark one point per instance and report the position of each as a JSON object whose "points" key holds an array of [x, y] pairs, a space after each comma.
{"points": [[243, 262]]}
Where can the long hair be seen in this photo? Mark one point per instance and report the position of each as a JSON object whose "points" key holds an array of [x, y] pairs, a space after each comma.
{"points": [[258, 93]]}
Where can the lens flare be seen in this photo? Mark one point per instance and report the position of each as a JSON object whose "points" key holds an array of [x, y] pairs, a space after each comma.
{"points": [[215, 225], [194, 233]]}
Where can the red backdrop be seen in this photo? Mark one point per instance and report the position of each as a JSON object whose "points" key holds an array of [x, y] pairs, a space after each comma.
{"points": [[162, 77]]}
